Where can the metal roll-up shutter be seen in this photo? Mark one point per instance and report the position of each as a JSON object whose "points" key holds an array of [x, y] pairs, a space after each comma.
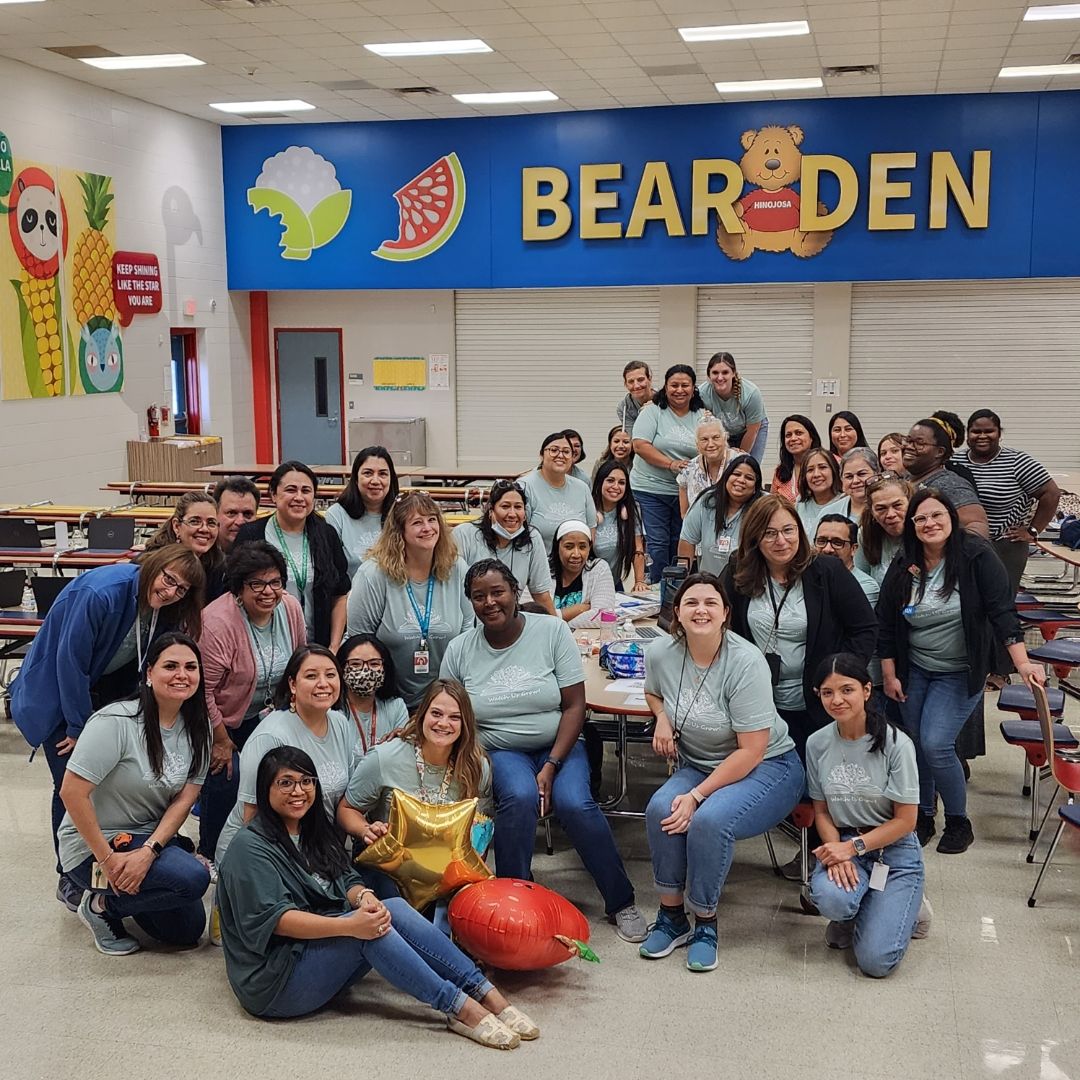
{"points": [[769, 329], [1010, 346], [532, 361]]}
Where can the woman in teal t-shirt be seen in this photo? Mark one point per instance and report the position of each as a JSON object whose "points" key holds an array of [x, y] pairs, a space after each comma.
{"points": [[298, 925]]}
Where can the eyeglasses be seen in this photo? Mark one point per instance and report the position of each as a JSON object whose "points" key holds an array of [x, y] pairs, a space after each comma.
{"points": [[410, 491], [284, 784], [788, 532], [259, 586], [865, 474], [375, 664], [200, 523], [918, 444], [506, 486], [552, 451], [177, 586], [823, 542], [921, 519]]}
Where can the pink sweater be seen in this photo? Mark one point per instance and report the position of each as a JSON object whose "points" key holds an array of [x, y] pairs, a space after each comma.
{"points": [[229, 660]]}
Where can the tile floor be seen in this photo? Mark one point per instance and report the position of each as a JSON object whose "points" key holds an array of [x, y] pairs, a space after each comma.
{"points": [[991, 993]]}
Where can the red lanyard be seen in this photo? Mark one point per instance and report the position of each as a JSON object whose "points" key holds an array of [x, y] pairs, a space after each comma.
{"points": [[360, 727]]}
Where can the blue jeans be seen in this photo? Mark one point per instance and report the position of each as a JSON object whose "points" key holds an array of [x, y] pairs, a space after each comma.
{"points": [[414, 956], [936, 709], [57, 769], [219, 792], [662, 523], [757, 451], [517, 810], [168, 905], [884, 919], [697, 861]]}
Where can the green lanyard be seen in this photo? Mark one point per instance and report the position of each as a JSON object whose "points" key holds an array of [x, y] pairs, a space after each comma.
{"points": [[299, 576]]}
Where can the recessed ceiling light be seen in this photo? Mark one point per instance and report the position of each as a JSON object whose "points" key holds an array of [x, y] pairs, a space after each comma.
{"points": [[430, 48], [511, 97], [1038, 71], [133, 63], [293, 105], [742, 31], [1052, 11], [753, 86]]}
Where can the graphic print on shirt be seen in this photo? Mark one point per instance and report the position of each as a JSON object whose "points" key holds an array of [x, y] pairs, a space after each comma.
{"points": [[850, 782], [174, 771], [702, 713], [334, 778], [557, 511], [509, 684], [410, 628]]}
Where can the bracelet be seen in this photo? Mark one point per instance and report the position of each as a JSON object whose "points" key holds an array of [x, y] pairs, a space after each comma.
{"points": [[102, 862], [360, 896], [697, 796]]}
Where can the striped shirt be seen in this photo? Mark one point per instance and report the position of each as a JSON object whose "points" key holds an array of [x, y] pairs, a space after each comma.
{"points": [[1007, 484]]}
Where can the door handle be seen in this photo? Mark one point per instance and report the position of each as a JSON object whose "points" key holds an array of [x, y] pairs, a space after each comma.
{"points": [[331, 419]]}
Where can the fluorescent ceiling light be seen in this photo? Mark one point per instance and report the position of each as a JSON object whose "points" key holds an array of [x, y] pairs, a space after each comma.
{"points": [[430, 48], [1038, 71], [131, 63], [292, 105], [1052, 11], [511, 97], [753, 86], [20, 1], [742, 31]]}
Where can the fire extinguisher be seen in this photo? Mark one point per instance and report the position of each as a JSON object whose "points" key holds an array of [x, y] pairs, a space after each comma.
{"points": [[152, 417]]}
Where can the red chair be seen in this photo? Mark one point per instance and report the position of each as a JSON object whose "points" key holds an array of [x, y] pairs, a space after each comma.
{"points": [[1049, 622]]}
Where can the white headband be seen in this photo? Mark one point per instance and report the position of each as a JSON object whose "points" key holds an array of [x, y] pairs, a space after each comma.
{"points": [[572, 526]]}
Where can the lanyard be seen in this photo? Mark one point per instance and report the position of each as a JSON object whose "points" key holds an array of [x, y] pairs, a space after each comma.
{"points": [[149, 636], [369, 741], [677, 725], [777, 608], [299, 576], [267, 668], [423, 621], [444, 787]]}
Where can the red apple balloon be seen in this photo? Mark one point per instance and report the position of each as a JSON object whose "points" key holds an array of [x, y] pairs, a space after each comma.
{"points": [[518, 925]]}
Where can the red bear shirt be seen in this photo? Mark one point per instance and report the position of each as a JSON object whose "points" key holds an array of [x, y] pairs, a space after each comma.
{"points": [[771, 211]]}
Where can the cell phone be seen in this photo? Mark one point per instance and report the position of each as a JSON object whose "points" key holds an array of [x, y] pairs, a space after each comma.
{"points": [[773, 660]]}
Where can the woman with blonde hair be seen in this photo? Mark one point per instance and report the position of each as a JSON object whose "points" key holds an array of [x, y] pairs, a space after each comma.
{"points": [[409, 591]]}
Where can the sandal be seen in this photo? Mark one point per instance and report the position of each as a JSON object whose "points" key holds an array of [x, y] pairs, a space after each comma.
{"points": [[489, 1032], [513, 1018]]}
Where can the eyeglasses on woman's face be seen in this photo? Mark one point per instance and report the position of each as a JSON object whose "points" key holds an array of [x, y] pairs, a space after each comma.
{"points": [[374, 664], [175, 584], [558, 452], [260, 585], [291, 783], [773, 536], [917, 444], [935, 517]]}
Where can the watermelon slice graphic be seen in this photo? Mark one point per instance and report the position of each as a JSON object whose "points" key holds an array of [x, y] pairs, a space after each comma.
{"points": [[430, 206]]}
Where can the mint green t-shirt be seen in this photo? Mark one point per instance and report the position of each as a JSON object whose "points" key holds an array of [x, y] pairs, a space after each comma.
{"points": [[710, 706], [291, 546], [606, 544], [334, 756], [786, 636], [889, 548], [529, 565], [393, 765], [548, 507], [675, 436], [699, 529], [810, 512], [127, 797], [936, 636], [516, 692], [860, 787], [357, 535]]}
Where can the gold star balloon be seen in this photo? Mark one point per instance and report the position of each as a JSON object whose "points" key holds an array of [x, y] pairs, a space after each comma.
{"points": [[427, 849]]}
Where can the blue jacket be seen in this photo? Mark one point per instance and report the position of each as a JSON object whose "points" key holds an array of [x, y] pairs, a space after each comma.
{"points": [[80, 635]]}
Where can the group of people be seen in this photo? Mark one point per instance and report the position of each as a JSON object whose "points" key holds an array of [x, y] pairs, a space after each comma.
{"points": [[286, 673]]}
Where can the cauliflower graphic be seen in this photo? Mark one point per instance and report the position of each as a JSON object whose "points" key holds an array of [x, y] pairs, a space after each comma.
{"points": [[301, 188]]}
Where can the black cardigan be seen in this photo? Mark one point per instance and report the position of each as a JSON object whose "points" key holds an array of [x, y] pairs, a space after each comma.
{"points": [[987, 609], [328, 559], [838, 619]]}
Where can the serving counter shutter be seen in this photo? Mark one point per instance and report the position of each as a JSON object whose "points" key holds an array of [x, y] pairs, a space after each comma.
{"points": [[534, 361], [769, 329], [1010, 346]]}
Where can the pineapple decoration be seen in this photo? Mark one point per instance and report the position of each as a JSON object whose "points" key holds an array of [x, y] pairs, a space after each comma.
{"points": [[37, 219], [101, 357]]}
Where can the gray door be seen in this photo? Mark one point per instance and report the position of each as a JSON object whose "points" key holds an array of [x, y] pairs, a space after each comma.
{"points": [[309, 396]]}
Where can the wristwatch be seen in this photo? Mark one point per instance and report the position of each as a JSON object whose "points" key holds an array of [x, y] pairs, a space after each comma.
{"points": [[1033, 532], [859, 845], [555, 762], [155, 847]]}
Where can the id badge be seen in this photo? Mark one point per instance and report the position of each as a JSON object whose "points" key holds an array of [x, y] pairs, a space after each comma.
{"points": [[723, 545], [878, 876], [421, 662]]}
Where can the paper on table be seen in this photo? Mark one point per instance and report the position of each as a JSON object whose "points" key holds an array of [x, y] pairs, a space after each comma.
{"points": [[625, 686]]}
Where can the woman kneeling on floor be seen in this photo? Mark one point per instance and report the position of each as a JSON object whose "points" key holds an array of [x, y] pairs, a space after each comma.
{"points": [[298, 925], [737, 776], [864, 781], [132, 780]]}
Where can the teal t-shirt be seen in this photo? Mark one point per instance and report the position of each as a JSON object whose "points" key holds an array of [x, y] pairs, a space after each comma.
{"points": [[389, 717], [393, 765], [382, 607], [293, 550], [889, 548], [785, 636], [860, 787], [699, 529], [529, 565], [357, 534], [334, 756], [736, 414], [548, 507], [271, 647], [810, 512], [606, 544], [675, 436], [516, 692], [710, 706], [936, 636], [127, 797]]}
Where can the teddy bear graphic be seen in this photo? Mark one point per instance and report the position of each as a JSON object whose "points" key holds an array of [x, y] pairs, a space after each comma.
{"points": [[772, 162]]}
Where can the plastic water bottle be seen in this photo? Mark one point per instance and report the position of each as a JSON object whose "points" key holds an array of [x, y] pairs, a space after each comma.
{"points": [[608, 623]]}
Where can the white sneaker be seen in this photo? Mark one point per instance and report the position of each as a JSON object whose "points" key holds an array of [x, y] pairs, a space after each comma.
{"points": [[922, 920], [630, 924]]}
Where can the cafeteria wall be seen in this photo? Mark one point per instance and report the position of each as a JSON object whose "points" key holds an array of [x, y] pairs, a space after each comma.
{"points": [[166, 171]]}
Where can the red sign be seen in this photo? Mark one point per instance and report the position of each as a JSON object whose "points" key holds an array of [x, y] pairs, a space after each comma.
{"points": [[136, 284]]}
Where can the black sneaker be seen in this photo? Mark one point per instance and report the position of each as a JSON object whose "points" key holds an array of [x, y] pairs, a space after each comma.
{"points": [[68, 893], [957, 837], [925, 828]]}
